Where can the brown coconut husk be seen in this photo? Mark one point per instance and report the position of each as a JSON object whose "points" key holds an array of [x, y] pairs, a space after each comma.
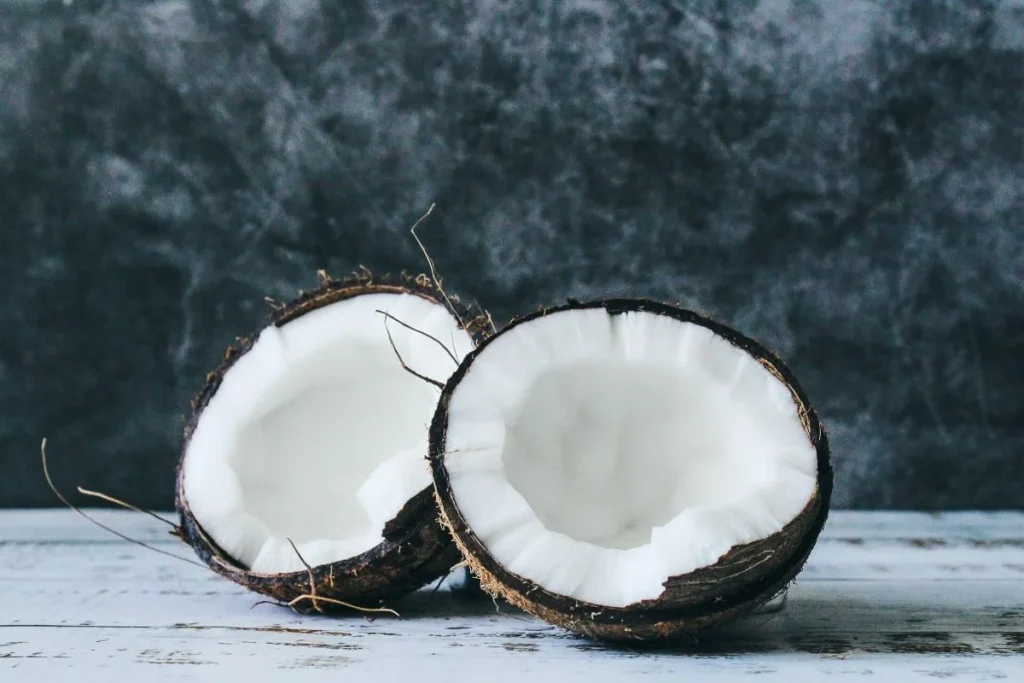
{"points": [[415, 549], [742, 580]]}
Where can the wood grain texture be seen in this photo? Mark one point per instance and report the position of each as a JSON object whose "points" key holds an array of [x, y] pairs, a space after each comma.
{"points": [[886, 596]]}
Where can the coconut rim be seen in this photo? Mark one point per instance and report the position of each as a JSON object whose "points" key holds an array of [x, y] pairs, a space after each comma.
{"points": [[761, 587], [401, 527]]}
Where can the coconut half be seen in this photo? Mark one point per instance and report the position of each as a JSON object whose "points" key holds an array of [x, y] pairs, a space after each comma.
{"points": [[629, 469], [312, 434]]}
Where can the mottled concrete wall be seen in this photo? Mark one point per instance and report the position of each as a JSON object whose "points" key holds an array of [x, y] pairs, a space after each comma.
{"points": [[840, 178]]}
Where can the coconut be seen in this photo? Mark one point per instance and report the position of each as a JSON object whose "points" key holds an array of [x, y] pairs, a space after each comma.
{"points": [[628, 469], [303, 471]]}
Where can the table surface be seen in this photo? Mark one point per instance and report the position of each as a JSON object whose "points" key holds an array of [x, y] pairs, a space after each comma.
{"points": [[885, 596]]}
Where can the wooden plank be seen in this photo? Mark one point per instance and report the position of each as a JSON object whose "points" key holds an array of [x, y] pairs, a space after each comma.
{"points": [[830, 561], [902, 597], [977, 526], [850, 615], [64, 526], [56, 525], [913, 553], [200, 654]]}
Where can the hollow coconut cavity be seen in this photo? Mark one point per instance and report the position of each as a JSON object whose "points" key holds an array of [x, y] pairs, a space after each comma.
{"points": [[628, 469], [312, 434]]}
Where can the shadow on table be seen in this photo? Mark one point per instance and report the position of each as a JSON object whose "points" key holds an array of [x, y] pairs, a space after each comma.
{"points": [[462, 601], [830, 625], [845, 626], [835, 627]]}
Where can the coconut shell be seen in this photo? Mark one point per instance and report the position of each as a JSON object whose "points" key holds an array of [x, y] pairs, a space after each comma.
{"points": [[414, 551], [743, 579]]}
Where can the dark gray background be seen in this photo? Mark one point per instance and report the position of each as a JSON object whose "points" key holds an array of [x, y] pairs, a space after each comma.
{"points": [[839, 178]]}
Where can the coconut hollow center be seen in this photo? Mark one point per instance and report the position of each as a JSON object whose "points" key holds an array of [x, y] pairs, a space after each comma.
{"points": [[606, 452], [301, 463], [317, 436], [597, 455]]}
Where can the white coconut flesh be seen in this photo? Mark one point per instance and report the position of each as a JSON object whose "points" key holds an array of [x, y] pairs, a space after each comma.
{"points": [[597, 455], [317, 435]]}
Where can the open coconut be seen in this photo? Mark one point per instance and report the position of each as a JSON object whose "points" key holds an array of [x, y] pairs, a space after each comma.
{"points": [[307, 446], [629, 469]]}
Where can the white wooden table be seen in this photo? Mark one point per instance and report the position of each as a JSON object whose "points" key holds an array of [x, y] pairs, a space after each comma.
{"points": [[885, 597]]}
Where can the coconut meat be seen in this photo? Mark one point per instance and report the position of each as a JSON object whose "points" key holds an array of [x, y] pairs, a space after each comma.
{"points": [[597, 455], [317, 435]]}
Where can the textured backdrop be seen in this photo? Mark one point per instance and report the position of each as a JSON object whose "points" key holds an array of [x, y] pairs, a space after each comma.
{"points": [[841, 179]]}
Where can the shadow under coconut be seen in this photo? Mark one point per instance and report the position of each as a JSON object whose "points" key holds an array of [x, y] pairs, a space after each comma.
{"points": [[457, 600], [833, 625], [842, 626]]}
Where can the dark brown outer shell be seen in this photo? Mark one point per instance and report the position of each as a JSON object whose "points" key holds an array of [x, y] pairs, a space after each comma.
{"points": [[415, 549], [743, 579]]}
